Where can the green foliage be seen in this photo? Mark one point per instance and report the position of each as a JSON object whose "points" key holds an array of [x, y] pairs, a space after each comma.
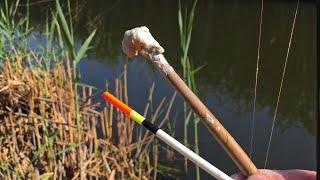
{"points": [[185, 28], [67, 30], [168, 171], [68, 35], [15, 35], [46, 145], [185, 21], [49, 33], [171, 128], [60, 45], [70, 147], [80, 54]]}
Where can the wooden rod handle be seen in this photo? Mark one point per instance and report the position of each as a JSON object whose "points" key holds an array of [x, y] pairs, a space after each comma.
{"points": [[140, 41], [223, 137], [228, 143]]}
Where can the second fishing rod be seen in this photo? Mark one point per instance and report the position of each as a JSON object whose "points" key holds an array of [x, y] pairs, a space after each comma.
{"points": [[195, 158]]}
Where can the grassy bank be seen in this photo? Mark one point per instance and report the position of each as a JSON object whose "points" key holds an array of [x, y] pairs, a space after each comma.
{"points": [[49, 125]]}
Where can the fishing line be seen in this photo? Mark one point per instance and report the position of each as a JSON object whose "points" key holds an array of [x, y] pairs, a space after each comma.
{"points": [[280, 89], [256, 83]]}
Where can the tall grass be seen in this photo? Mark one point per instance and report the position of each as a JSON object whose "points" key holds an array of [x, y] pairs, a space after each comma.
{"points": [[185, 20], [13, 32], [48, 121], [67, 30]]}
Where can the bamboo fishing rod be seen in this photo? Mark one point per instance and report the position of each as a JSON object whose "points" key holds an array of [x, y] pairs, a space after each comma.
{"points": [[195, 158], [139, 41]]}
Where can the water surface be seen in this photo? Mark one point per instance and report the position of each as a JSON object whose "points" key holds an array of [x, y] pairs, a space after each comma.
{"points": [[225, 38]]}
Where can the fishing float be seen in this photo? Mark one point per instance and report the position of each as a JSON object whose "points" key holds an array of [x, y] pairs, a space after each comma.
{"points": [[159, 133]]}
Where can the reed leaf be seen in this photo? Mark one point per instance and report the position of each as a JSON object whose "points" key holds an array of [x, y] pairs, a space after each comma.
{"points": [[15, 8], [84, 47], [198, 69], [180, 26], [65, 30]]}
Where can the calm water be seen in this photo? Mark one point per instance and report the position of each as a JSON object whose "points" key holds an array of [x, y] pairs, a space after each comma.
{"points": [[225, 38]]}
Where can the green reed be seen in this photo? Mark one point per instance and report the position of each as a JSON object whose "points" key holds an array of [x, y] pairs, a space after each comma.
{"points": [[58, 59], [185, 20]]}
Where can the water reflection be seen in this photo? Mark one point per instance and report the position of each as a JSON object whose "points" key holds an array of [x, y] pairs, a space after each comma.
{"points": [[225, 39]]}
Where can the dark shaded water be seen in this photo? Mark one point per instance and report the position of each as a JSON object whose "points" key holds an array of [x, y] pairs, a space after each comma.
{"points": [[225, 38]]}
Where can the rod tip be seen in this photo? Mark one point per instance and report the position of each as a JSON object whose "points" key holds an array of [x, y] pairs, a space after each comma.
{"points": [[139, 39], [117, 103]]}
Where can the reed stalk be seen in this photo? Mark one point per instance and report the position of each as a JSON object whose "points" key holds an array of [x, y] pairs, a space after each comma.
{"points": [[185, 28], [48, 120]]}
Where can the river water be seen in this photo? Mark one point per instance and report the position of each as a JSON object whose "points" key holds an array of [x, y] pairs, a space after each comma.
{"points": [[225, 39]]}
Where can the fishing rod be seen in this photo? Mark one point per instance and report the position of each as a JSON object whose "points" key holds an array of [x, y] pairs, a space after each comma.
{"points": [[195, 158], [139, 41]]}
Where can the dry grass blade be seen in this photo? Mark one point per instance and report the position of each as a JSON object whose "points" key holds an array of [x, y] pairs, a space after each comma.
{"points": [[38, 128]]}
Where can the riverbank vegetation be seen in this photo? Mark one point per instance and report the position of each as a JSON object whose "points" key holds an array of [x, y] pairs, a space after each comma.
{"points": [[50, 126]]}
